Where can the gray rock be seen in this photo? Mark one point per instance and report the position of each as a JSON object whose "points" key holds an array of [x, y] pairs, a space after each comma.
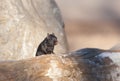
{"points": [[97, 64], [62, 68], [25, 23]]}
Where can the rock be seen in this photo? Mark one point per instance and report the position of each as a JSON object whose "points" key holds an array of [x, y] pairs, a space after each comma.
{"points": [[87, 53], [115, 47], [25, 23], [102, 67], [41, 68]]}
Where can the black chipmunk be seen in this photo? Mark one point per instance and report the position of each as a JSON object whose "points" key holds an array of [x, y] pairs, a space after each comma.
{"points": [[47, 45]]}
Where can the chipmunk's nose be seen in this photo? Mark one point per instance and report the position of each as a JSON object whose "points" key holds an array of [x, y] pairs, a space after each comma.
{"points": [[56, 42]]}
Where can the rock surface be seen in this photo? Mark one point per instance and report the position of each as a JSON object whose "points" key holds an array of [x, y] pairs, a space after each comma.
{"points": [[71, 67], [25, 23], [41, 68], [97, 64]]}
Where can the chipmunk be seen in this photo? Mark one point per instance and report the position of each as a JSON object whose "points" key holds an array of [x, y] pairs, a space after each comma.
{"points": [[47, 45]]}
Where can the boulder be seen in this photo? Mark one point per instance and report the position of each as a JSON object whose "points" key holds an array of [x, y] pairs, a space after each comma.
{"points": [[104, 66], [41, 68], [25, 23], [97, 64]]}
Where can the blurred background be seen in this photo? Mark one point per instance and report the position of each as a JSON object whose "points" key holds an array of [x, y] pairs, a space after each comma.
{"points": [[91, 23]]}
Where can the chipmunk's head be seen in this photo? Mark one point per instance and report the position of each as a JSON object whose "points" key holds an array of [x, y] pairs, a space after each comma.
{"points": [[52, 39]]}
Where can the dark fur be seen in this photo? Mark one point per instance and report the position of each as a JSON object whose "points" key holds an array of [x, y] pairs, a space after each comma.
{"points": [[47, 45]]}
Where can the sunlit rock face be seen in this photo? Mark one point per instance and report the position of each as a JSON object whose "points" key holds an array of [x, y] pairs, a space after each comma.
{"points": [[70, 67], [41, 68], [25, 23], [97, 65]]}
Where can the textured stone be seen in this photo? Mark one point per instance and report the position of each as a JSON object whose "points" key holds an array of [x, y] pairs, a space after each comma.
{"points": [[25, 23], [41, 68], [97, 64], [70, 67]]}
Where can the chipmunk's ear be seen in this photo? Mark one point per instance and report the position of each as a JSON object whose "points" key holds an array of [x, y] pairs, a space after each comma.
{"points": [[53, 34], [48, 35]]}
